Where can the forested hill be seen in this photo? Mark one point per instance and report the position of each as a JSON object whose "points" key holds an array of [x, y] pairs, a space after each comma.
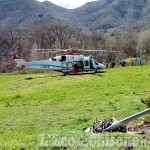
{"points": [[24, 13], [105, 14], [101, 14]]}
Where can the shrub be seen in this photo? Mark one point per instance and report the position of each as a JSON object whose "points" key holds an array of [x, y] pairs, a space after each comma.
{"points": [[146, 101]]}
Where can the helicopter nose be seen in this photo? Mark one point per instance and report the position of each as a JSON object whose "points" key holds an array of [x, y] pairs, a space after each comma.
{"points": [[102, 66]]}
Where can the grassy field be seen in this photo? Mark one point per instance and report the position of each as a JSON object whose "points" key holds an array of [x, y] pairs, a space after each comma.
{"points": [[38, 109]]}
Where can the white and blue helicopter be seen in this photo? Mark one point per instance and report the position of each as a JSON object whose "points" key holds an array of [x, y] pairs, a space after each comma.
{"points": [[62, 63]]}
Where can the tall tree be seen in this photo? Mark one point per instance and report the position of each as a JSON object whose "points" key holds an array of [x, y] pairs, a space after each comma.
{"points": [[144, 42]]}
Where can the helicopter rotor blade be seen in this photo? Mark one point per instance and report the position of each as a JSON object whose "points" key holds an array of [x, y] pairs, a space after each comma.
{"points": [[86, 50], [67, 50]]}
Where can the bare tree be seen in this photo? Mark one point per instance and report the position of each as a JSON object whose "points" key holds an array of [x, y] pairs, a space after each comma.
{"points": [[52, 35], [110, 43], [8, 38], [127, 44], [11, 40], [144, 42], [63, 33]]}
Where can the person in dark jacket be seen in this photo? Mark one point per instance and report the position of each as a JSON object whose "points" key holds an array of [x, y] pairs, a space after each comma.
{"points": [[112, 64]]}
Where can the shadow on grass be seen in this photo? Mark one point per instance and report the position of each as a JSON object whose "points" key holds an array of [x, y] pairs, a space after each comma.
{"points": [[30, 78], [59, 148], [98, 73]]}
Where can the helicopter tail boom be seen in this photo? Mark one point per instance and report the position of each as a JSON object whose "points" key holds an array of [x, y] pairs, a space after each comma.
{"points": [[20, 62]]}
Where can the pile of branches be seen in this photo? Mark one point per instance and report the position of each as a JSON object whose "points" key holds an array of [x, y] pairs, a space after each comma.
{"points": [[100, 125], [142, 128]]}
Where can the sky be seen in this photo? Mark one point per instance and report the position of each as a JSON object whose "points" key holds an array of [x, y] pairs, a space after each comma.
{"points": [[69, 3]]}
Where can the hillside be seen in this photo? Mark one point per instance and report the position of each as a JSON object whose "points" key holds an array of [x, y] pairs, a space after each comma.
{"points": [[96, 15], [25, 13], [34, 107], [106, 14]]}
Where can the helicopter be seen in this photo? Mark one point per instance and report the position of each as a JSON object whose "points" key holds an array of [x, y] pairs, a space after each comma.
{"points": [[62, 63]]}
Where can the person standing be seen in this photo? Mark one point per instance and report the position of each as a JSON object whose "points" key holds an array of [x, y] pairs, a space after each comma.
{"points": [[112, 64], [75, 68]]}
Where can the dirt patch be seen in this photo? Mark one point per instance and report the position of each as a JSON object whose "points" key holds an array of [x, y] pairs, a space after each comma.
{"points": [[141, 127]]}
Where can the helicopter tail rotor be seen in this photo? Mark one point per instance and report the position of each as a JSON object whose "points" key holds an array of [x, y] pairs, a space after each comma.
{"points": [[20, 62]]}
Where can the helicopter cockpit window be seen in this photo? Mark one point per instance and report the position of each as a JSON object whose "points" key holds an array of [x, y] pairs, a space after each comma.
{"points": [[96, 63], [86, 63], [53, 59], [63, 58]]}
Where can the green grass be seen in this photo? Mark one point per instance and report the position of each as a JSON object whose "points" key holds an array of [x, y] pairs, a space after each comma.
{"points": [[33, 105]]}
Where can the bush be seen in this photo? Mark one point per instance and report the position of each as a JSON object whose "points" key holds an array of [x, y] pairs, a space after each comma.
{"points": [[130, 61], [146, 101]]}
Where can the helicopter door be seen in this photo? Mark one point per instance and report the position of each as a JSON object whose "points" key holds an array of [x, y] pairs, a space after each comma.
{"points": [[94, 63], [86, 63], [67, 66]]}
